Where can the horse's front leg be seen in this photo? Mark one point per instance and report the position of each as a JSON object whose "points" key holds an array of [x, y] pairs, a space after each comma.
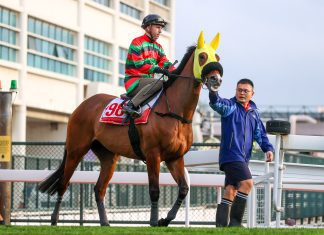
{"points": [[108, 163], [153, 170], [176, 168]]}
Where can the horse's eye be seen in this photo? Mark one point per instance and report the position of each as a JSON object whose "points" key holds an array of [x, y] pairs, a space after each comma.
{"points": [[202, 58]]}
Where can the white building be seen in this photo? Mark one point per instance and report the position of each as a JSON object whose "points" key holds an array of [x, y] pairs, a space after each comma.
{"points": [[63, 51]]}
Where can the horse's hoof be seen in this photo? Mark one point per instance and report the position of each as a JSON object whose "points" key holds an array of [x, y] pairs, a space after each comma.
{"points": [[53, 223], [105, 224], [153, 224], [163, 222]]}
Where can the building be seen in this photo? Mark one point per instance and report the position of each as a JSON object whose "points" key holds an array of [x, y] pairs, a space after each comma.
{"points": [[64, 51]]}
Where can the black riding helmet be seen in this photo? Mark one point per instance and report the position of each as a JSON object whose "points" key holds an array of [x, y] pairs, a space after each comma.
{"points": [[153, 19]]}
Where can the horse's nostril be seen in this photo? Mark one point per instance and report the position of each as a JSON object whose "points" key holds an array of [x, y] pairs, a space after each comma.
{"points": [[214, 82]]}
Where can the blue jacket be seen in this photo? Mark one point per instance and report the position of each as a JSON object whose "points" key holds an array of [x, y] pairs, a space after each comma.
{"points": [[239, 129]]}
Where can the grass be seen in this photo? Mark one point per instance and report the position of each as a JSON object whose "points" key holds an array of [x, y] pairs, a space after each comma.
{"points": [[58, 230]]}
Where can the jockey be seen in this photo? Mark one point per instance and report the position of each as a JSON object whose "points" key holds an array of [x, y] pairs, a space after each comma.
{"points": [[145, 58]]}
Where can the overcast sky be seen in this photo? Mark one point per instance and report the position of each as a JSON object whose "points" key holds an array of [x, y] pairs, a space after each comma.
{"points": [[279, 44]]}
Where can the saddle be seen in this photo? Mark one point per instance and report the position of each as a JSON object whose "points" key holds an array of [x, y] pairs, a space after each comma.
{"points": [[113, 114]]}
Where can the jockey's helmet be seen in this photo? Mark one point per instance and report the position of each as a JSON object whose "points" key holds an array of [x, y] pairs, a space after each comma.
{"points": [[153, 19]]}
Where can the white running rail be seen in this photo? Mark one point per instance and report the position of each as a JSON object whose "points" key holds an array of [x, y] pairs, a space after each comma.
{"points": [[279, 175]]}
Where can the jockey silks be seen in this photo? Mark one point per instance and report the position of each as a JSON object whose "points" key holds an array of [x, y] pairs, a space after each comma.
{"points": [[142, 58]]}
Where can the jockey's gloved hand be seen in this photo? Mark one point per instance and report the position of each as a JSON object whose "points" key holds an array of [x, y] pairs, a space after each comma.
{"points": [[162, 71]]}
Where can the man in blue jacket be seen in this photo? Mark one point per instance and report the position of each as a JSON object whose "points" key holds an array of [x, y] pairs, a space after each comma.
{"points": [[241, 125]]}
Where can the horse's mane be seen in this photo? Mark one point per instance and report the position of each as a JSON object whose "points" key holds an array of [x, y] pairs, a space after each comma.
{"points": [[179, 69], [184, 60]]}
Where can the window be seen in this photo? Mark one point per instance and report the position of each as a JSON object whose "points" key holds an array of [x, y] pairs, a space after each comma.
{"points": [[97, 60], [96, 76], [131, 11], [8, 17], [51, 31], [8, 34], [7, 53], [106, 3], [121, 65], [97, 46], [163, 2], [51, 47], [52, 65]]}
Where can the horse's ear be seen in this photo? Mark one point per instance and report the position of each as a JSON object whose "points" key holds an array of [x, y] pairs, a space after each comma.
{"points": [[217, 57], [214, 43], [201, 40]]}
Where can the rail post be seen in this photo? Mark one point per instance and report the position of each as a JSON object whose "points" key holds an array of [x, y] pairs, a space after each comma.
{"points": [[5, 153], [278, 128]]}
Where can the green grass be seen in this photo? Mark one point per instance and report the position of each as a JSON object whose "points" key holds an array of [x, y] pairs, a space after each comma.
{"points": [[58, 230]]}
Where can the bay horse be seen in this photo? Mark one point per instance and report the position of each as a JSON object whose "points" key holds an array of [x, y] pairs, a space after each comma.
{"points": [[163, 138]]}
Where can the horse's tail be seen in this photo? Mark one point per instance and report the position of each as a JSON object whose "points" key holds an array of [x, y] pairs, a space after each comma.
{"points": [[51, 184]]}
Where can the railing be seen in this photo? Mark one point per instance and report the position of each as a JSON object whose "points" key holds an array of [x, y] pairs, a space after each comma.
{"points": [[297, 176]]}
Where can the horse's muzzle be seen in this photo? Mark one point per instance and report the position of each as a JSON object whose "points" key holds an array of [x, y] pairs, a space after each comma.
{"points": [[213, 82], [211, 67]]}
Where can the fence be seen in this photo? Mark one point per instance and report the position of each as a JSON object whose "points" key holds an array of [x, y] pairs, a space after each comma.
{"points": [[297, 176], [130, 203], [125, 203]]}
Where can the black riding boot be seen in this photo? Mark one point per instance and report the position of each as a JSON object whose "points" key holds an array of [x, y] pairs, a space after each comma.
{"points": [[237, 211], [222, 215], [131, 110]]}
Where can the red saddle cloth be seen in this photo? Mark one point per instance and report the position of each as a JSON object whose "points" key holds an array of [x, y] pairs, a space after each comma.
{"points": [[113, 114]]}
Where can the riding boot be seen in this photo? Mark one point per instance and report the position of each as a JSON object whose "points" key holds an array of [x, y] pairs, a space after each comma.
{"points": [[131, 110], [237, 211], [141, 97], [222, 213]]}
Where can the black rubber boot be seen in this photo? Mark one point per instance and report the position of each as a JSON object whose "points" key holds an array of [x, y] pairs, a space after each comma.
{"points": [[131, 110], [237, 212], [222, 215]]}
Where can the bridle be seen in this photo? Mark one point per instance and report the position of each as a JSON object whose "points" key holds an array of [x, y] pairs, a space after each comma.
{"points": [[197, 82]]}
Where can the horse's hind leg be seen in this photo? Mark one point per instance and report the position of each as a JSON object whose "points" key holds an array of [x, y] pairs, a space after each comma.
{"points": [[176, 168], [55, 214], [108, 162], [72, 160]]}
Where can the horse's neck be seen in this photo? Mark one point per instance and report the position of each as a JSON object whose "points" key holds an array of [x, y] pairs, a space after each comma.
{"points": [[183, 96]]}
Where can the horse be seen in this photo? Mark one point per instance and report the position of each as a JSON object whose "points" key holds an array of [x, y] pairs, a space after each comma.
{"points": [[164, 138]]}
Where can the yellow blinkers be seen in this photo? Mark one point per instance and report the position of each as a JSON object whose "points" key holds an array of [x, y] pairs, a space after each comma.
{"points": [[209, 49]]}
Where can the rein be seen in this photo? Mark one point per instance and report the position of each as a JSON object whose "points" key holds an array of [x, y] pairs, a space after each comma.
{"points": [[181, 76], [175, 76], [172, 114]]}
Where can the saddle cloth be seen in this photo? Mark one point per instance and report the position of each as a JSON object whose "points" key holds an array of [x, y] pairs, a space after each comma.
{"points": [[113, 114]]}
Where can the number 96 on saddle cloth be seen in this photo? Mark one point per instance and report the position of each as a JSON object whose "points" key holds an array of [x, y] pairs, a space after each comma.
{"points": [[113, 114]]}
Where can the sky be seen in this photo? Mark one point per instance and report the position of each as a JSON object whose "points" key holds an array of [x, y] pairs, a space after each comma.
{"points": [[278, 44]]}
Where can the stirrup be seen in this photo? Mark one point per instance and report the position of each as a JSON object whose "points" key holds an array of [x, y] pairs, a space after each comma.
{"points": [[136, 113], [132, 111]]}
